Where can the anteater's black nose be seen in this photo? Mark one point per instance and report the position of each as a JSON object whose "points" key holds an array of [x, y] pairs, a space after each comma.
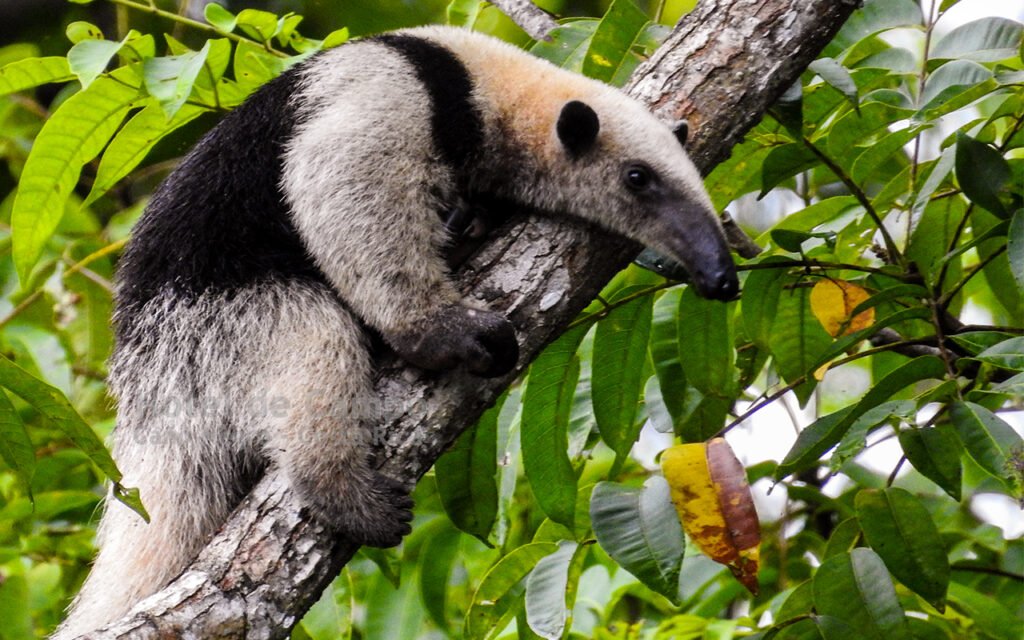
{"points": [[722, 284]]}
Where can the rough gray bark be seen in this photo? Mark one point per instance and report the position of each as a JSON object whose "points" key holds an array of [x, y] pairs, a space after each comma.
{"points": [[532, 19], [724, 64]]}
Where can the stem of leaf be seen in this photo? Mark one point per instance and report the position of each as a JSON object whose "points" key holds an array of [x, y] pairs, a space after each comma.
{"points": [[895, 257]]}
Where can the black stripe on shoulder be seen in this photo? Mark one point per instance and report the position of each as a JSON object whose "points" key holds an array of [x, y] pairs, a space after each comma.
{"points": [[220, 222], [457, 126]]}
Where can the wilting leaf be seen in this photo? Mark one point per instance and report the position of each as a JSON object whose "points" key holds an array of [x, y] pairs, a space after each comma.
{"points": [[832, 302], [710, 493]]}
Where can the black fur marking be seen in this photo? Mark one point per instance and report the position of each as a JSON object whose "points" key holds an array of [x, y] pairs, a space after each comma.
{"points": [[681, 131], [219, 222], [456, 125], [577, 127]]}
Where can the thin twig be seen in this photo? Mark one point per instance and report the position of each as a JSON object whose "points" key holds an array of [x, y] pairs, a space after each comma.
{"points": [[817, 264]]}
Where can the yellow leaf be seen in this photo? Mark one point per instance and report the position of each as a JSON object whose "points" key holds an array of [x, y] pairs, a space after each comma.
{"points": [[600, 60], [709, 490], [832, 302]]}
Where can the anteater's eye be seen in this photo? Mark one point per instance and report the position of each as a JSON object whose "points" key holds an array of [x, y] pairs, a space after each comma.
{"points": [[638, 176]]}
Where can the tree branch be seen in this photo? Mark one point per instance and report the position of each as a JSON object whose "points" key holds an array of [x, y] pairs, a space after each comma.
{"points": [[532, 19], [725, 63]]}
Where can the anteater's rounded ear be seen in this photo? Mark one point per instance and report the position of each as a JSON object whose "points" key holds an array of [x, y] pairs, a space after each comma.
{"points": [[681, 130], [577, 127]]}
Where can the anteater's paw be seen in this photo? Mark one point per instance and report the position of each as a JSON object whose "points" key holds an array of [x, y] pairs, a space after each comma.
{"points": [[377, 515], [482, 341]]}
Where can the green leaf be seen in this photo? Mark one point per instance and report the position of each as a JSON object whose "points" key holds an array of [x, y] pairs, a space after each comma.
{"points": [[789, 108], [843, 539], [170, 79], [89, 58], [664, 347], [784, 162], [73, 135], [1008, 354], [547, 586], [705, 419], [466, 476], [989, 440], [797, 340], [838, 77], [761, 292], [620, 353], [220, 17], [463, 13], [81, 30], [900, 530], [547, 403], [52, 405], [817, 214], [134, 141], [950, 80], [492, 599], [568, 45], [335, 38], [992, 618], [856, 589], [877, 16], [610, 56], [982, 172], [33, 72], [706, 348], [800, 600], [826, 432], [436, 560], [640, 530], [855, 439], [985, 40], [1015, 248], [260, 25], [16, 448], [854, 129], [872, 160], [935, 453], [331, 617]]}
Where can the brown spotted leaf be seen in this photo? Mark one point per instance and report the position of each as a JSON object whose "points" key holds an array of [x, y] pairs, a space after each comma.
{"points": [[710, 492]]}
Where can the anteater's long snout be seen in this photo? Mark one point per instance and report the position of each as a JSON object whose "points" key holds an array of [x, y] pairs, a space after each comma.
{"points": [[694, 237]]}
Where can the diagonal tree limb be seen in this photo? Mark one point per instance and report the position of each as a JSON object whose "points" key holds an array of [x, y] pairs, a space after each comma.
{"points": [[721, 68], [536, 22]]}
